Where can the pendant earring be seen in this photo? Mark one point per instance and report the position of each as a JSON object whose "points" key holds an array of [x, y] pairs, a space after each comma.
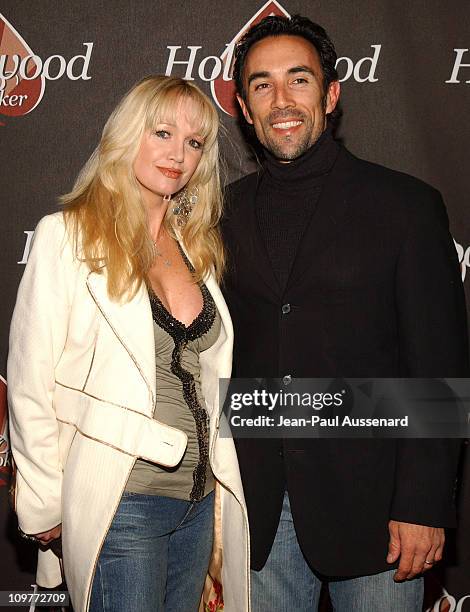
{"points": [[184, 205]]}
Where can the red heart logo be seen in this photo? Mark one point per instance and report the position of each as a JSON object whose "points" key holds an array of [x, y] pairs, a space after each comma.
{"points": [[223, 90], [19, 94]]}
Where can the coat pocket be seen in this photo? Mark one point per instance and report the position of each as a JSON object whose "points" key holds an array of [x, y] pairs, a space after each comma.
{"points": [[120, 427]]}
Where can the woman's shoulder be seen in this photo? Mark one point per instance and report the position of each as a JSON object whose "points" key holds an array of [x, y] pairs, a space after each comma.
{"points": [[53, 237], [53, 223]]}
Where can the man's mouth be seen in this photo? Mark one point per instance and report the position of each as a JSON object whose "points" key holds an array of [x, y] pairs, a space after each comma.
{"points": [[172, 173], [286, 125]]}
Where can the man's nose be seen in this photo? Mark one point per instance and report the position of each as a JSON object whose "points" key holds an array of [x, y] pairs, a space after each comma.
{"points": [[282, 97]]}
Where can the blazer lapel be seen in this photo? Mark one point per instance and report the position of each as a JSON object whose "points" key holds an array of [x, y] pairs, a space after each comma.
{"points": [[132, 323], [331, 212], [252, 243]]}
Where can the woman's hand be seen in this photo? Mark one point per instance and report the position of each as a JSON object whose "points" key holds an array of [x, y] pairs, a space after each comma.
{"points": [[46, 537]]}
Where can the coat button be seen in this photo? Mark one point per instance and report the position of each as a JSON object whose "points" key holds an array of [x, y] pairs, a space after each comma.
{"points": [[285, 308], [287, 379]]}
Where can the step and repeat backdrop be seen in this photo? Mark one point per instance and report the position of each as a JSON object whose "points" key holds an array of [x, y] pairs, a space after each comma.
{"points": [[405, 75]]}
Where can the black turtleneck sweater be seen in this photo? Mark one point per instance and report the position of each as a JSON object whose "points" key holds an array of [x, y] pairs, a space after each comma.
{"points": [[286, 200]]}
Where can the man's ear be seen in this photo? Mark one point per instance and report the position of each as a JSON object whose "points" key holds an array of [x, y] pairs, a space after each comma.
{"points": [[245, 111], [332, 96]]}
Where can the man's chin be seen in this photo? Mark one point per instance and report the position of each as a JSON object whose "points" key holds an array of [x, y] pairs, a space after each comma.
{"points": [[283, 153], [286, 151]]}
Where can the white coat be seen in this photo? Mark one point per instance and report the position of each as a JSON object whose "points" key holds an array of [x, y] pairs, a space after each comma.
{"points": [[81, 385]]}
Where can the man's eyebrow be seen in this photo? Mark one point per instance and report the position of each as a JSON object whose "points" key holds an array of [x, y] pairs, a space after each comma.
{"points": [[264, 74], [258, 75], [297, 69]]}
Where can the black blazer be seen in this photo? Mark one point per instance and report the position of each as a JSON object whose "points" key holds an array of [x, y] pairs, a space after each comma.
{"points": [[374, 291]]}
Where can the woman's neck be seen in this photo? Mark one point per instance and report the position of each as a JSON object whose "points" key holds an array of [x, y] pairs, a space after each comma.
{"points": [[156, 213]]}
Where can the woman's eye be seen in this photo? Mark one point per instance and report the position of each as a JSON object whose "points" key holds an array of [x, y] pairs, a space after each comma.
{"points": [[162, 134], [195, 144]]}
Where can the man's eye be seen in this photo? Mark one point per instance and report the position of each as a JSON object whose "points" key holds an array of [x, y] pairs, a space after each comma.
{"points": [[196, 144], [162, 134], [300, 80], [261, 86]]}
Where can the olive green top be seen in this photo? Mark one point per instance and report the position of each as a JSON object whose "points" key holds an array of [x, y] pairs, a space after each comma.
{"points": [[180, 403]]}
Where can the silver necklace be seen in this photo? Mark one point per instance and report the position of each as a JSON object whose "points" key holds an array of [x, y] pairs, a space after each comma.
{"points": [[158, 253]]}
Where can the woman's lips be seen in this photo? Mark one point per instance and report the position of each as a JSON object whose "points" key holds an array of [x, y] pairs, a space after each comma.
{"points": [[172, 173]]}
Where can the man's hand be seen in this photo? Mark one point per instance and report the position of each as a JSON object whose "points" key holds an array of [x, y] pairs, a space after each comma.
{"points": [[46, 537], [418, 547]]}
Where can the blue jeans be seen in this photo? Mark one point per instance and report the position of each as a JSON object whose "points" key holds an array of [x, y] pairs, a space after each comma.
{"points": [[155, 555], [287, 583]]}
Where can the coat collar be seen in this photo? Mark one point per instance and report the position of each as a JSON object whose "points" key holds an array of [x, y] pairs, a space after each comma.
{"points": [[252, 242], [132, 323]]}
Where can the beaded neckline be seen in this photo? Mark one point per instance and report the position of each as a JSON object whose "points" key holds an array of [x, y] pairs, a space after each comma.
{"points": [[199, 326], [181, 335], [172, 322]]}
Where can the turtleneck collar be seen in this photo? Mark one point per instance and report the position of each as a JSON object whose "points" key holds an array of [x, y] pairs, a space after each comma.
{"points": [[309, 168]]}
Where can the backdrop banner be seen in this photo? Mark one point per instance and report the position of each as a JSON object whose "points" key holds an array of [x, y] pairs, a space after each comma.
{"points": [[405, 79]]}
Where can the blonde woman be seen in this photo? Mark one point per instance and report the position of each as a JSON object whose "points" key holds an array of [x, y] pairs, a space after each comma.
{"points": [[118, 340]]}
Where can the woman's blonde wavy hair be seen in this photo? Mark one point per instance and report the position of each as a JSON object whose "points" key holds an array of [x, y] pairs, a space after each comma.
{"points": [[105, 212]]}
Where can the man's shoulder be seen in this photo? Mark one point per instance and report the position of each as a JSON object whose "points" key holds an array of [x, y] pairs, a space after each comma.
{"points": [[394, 194], [392, 182]]}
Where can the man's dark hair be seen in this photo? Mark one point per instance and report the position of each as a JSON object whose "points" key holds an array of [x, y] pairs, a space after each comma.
{"points": [[283, 26]]}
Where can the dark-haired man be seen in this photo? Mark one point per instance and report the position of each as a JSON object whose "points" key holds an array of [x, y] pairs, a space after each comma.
{"points": [[337, 267]]}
